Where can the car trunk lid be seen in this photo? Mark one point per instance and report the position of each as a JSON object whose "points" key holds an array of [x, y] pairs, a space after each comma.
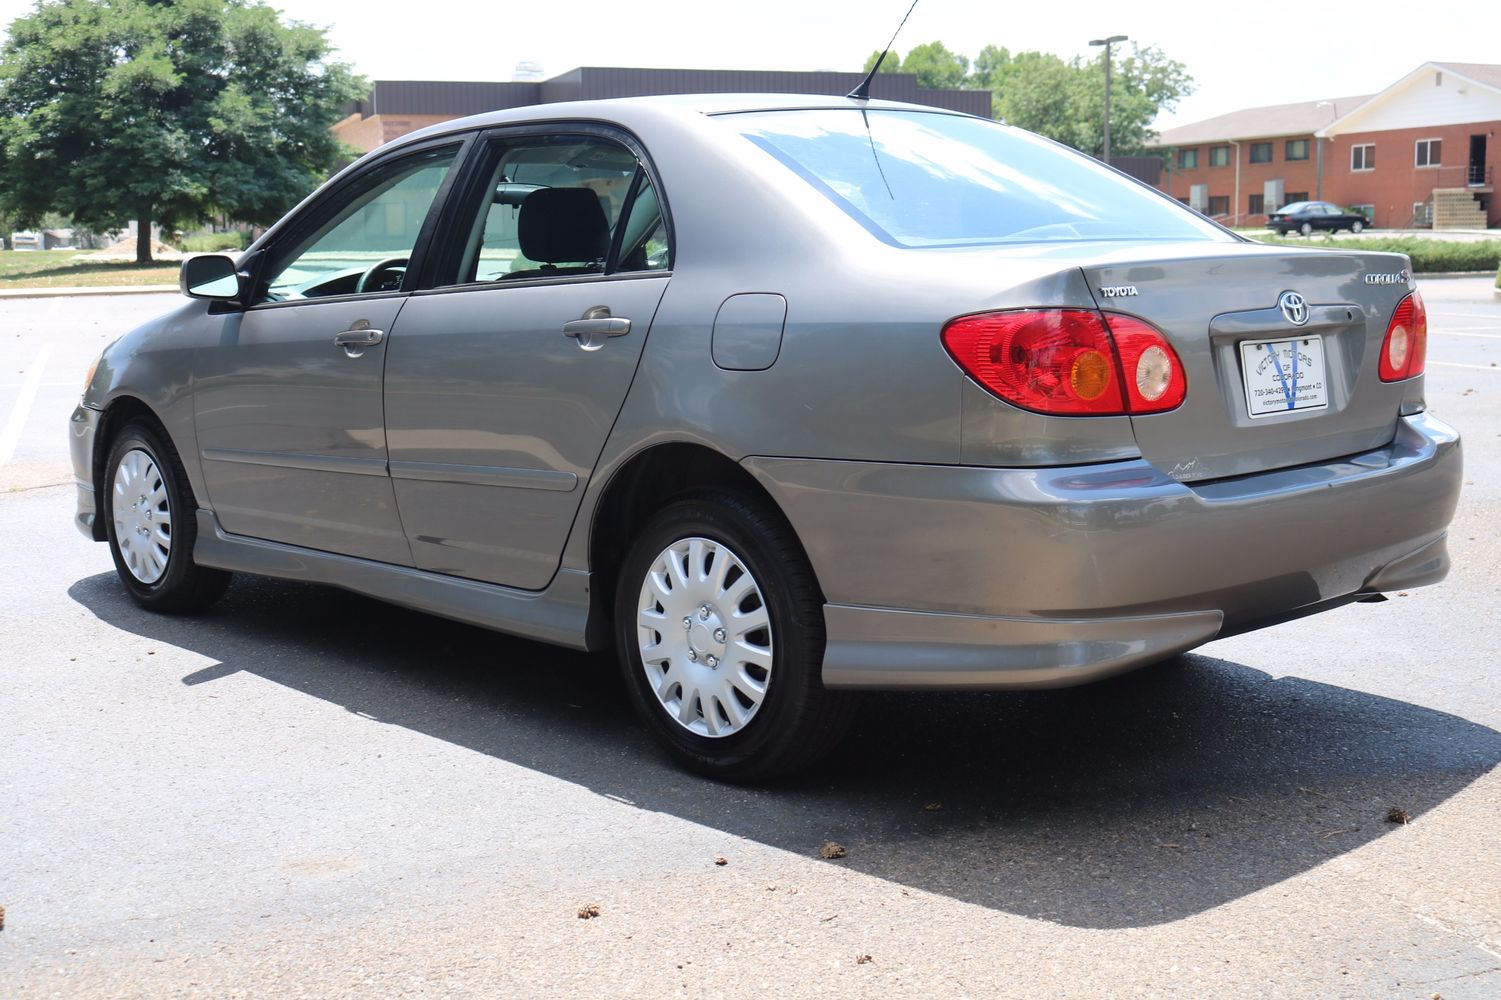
{"points": [[1232, 318]]}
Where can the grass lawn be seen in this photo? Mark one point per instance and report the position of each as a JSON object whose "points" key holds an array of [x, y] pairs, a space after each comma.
{"points": [[58, 269]]}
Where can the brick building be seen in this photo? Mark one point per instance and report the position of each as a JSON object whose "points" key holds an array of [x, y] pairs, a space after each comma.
{"points": [[1421, 152], [396, 107]]}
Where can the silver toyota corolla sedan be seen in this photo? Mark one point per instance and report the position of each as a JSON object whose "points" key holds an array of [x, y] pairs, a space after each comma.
{"points": [[780, 397]]}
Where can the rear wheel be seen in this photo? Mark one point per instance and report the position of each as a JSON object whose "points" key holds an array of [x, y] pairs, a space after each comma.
{"points": [[719, 625], [1306, 229], [150, 518]]}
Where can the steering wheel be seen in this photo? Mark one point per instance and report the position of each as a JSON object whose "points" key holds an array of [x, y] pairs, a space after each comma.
{"points": [[383, 277]]}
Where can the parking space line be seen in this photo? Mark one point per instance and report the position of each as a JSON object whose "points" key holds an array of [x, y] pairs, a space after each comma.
{"points": [[1455, 364], [10, 434], [1465, 333]]}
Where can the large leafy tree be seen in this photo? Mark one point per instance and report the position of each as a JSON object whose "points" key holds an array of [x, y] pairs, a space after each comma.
{"points": [[1061, 99], [120, 110]]}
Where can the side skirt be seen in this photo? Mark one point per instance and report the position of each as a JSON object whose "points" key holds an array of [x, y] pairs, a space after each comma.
{"points": [[559, 614]]}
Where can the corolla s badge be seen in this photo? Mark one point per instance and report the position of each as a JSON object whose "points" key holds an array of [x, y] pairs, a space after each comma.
{"points": [[1294, 307], [1399, 278], [1118, 291]]}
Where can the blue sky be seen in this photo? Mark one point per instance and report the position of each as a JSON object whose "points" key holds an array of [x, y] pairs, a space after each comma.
{"points": [[1274, 52]]}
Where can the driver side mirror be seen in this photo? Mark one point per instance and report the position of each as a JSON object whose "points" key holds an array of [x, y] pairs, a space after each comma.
{"points": [[209, 276]]}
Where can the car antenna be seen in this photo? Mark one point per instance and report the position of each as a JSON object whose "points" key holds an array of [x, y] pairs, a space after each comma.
{"points": [[862, 92]]}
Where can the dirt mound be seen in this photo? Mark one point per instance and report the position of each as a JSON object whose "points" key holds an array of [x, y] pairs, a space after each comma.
{"points": [[125, 249]]}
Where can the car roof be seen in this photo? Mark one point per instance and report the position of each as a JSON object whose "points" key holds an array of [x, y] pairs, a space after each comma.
{"points": [[620, 109]]}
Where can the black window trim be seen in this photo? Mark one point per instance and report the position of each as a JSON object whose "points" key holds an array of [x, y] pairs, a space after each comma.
{"points": [[315, 213], [476, 176]]}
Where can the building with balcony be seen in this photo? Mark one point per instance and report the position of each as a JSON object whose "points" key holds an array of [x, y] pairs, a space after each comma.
{"points": [[1422, 152]]}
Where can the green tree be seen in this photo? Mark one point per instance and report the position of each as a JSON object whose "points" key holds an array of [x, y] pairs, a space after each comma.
{"points": [[934, 64], [120, 110]]}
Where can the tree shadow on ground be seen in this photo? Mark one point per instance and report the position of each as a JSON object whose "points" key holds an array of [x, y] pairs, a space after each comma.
{"points": [[1132, 802]]}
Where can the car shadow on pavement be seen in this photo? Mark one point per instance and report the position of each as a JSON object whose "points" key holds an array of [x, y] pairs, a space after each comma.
{"points": [[1128, 803]]}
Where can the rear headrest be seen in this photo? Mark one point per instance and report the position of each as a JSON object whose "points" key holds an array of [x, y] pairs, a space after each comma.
{"points": [[563, 225]]}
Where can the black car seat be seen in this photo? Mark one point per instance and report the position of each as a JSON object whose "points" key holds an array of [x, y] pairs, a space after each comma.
{"points": [[562, 226]]}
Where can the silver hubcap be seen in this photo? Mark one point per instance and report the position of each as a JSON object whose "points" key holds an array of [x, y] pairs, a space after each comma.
{"points": [[143, 516], [705, 637]]}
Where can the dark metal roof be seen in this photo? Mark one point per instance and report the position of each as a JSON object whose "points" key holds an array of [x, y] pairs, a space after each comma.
{"points": [[458, 99]]}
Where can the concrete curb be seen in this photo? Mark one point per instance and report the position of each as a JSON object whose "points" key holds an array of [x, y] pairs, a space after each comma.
{"points": [[1426, 275], [52, 293]]}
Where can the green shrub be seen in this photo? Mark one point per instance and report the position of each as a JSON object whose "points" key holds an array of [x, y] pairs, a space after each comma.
{"points": [[214, 242], [1428, 255]]}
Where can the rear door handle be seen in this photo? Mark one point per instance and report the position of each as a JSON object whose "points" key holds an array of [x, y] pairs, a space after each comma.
{"points": [[596, 326], [612, 326], [355, 340]]}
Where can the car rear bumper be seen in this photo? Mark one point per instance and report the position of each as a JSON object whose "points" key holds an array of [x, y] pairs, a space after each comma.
{"points": [[81, 429], [952, 576]]}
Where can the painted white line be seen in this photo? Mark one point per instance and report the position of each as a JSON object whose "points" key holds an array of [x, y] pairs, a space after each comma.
{"points": [[10, 434], [1455, 364], [1458, 333], [1443, 314]]}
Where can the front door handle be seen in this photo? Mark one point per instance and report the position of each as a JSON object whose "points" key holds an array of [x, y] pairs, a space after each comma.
{"points": [[357, 338], [596, 327]]}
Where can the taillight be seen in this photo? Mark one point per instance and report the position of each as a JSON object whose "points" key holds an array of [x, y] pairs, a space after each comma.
{"points": [[1066, 362], [1155, 380], [1405, 348]]}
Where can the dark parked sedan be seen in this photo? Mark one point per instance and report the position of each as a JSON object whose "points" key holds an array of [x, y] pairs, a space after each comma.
{"points": [[1306, 216]]}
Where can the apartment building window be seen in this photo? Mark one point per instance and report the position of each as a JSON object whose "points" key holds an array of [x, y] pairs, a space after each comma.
{"points": [[1219, 156], [1219, 204], [1296, 196], [1427, 152], [1297, 149], [1256, 205], [1261, 152], [1363, 157], [1367, 210], [1188, 159]]}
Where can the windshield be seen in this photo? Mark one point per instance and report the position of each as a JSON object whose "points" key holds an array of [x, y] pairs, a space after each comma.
{"points": [[916, 179]]}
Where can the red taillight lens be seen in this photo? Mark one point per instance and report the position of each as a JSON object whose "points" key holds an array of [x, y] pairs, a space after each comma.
{"points": [[1405, 348], [1155, 380], [1064, 361]]}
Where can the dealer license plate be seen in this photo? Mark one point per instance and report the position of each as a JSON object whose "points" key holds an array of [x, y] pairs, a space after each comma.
{"points": [[1283, 375]]}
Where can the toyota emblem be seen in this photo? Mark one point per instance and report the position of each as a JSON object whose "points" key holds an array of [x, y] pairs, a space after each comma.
{"points": [[1294, 307]]}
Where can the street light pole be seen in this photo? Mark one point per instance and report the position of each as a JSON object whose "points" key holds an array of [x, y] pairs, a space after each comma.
{"points": [[1107, 42]]}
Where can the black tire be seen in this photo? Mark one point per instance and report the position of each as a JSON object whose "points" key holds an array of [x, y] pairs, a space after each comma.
{"points": [[1356, 226], [798, 721], [183, 585], [1306, 229]]}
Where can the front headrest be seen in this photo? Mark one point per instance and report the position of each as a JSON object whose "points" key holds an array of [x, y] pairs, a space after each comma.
{"points": [[563, 225]]}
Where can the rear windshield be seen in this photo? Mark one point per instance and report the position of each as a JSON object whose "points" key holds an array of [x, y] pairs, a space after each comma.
{"points": [[924, 180]]}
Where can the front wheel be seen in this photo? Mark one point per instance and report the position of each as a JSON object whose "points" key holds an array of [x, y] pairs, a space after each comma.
{"points": [[719, 625], [1356, 227], [150, 515]]}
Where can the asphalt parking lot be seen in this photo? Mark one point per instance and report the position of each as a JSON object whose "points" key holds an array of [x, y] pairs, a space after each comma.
{"points": [[308, 793]]}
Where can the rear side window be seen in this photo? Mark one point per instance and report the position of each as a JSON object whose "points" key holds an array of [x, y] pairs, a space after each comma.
{"points": [[915, 179], [562, 206]]}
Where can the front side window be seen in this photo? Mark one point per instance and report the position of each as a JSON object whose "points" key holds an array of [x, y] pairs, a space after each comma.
{"points": [[1297, 149], [1219, 156], [928, 179], [362, 242], [1363, 157], [1188, 159], [1427, 152], [1261, 152], [559, 206]]}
